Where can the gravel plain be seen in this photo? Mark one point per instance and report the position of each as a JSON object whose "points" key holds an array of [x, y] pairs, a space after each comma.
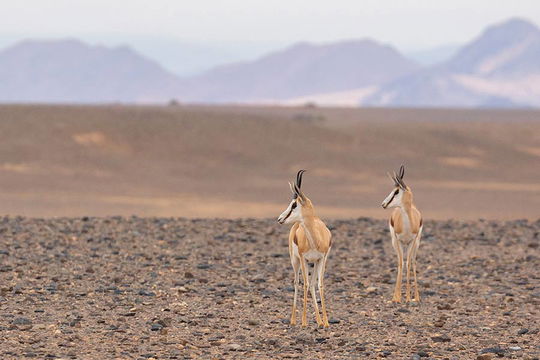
{"points": [[175, 288]]}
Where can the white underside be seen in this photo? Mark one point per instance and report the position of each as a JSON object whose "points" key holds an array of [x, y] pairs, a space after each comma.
{"points": [[406, 236], [311, 255]]}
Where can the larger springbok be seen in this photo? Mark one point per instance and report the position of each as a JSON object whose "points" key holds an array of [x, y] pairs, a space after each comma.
{"points": [[309, 241], [405, 228]]}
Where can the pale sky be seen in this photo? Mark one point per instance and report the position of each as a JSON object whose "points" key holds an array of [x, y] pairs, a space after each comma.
{"points": [[406, 24], [190, 36]]}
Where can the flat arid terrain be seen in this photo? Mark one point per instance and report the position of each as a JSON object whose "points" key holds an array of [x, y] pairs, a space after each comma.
{"points": [[149, 232], [228, 162], [176, 288]]}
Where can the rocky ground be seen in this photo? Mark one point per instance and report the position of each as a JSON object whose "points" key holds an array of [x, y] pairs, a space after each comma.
{"points": [[135, 288]]}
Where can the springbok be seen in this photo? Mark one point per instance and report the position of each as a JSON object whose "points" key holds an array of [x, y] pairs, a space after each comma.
{"points": [[309, 241], [405, 228]]}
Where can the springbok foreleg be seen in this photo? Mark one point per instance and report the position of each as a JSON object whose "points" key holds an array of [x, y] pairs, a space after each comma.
{"points": [[415, 251], [312, 283], [399, 251], [305, 279], [321, 269], [296, 268]]}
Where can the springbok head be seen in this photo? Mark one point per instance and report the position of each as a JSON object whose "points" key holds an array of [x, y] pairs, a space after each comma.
{"points": [[400, 193], [293, 212]]}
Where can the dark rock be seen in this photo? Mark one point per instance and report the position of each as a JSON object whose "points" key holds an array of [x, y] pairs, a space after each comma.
{"points": [[484, 357], [21, 321], [143, 292], [493, 350], [441, 338], [444, 307]]}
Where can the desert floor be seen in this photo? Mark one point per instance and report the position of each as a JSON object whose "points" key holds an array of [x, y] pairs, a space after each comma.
{"points": [[230, 162], [175, 288]]}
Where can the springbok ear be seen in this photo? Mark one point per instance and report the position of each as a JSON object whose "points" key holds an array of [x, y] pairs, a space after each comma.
{"points": [[399, 178], [393, 178], [292, 190]]}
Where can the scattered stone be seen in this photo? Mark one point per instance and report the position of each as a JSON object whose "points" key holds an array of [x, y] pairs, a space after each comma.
{"points": [[444, 307], [484, 357], [143, 292], [523, 331], [21, 321], [234, 347], [493, 350], [441, 338], [371, 290]]}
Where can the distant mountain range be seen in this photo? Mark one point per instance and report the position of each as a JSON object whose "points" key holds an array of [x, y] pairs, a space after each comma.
{"points": [[300, 70], [70, 71], [501, 68]]}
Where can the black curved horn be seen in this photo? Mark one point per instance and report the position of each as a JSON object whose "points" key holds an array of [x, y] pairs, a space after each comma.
{"points": [[299, 178]]}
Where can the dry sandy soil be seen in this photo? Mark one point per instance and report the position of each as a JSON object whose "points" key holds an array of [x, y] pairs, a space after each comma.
{"points": [[235, 161], [173, 288]]}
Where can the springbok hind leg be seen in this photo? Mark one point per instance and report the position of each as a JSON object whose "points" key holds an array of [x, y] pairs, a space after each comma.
{"points": [[320, 270], [312, 283], [410, 253]]}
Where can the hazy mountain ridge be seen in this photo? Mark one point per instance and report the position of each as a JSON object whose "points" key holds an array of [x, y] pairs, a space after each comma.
{"points": [[71, 71], [302, 69], [500, 68]]}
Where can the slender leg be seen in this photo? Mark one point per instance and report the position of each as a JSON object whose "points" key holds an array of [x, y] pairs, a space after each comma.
{"points": [[321, 270], [415, 251], [305, 279], [312, 289], [410, 251], [296, 268], [399, 252]]}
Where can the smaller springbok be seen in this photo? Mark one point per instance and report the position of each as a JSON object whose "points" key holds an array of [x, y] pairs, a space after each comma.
{"points": [[309, 241], [405, 228]]}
